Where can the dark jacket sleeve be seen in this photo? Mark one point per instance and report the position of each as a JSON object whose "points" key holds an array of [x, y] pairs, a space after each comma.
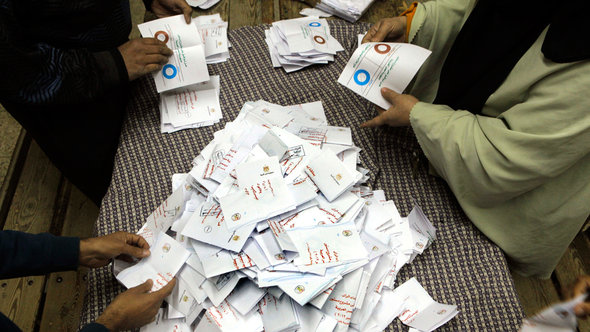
{"points": [[36, 72], [94, 327], [23, 254]]}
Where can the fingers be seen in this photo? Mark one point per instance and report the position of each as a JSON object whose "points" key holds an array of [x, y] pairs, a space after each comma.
{"points": [[582, 309], [163, 292], [582, 285], [143, 288], [186, 10], [137, 240], [157, 48], [383, 30], [371, 33], [375, 122], [134, 251], [389, 95]]}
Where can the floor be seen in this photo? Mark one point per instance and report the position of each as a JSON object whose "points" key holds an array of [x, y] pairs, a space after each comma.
{"points": [[34, 197]]}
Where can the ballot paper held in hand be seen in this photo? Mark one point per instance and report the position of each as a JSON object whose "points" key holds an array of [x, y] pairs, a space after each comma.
{"points": [[382, 65], [187, 65]]}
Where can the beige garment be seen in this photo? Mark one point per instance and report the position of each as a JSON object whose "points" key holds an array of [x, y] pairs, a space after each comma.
{"points": [[521, 170]]}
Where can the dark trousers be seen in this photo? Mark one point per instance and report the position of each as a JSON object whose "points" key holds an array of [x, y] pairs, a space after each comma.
{"points": [[80, 139]]}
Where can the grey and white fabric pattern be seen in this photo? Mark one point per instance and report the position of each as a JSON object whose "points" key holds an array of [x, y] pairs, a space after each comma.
{"points": [[462, 267]]}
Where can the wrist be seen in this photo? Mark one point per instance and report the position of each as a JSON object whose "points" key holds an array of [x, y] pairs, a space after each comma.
{"points": [[86, 252], [107, 321]]}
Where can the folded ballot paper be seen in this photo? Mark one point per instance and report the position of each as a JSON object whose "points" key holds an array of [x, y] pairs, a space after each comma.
{"points": [[272, 230], [382, 65], [189, 96], [350, 10], [297, 43], [187, 65], [191, 107], [559, 317]]}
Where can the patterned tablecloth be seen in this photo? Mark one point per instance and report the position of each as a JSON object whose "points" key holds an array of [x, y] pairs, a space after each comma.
{"points": [[462, 267]]}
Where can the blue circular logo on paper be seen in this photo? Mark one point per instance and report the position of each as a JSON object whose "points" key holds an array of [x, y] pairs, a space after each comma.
{"points": [[315, 24], [366, 79], [169, 71]]}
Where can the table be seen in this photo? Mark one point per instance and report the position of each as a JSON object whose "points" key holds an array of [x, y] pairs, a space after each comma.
{"points": [[462, 267]]}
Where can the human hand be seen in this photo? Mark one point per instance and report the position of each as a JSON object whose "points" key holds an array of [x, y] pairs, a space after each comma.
{"points": [[164, 8], [398, 114], [391, 29], [135, 307], [582, 286], [98, 251], [143, 56]]}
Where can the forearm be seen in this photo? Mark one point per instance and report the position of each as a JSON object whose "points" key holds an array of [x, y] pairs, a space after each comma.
{"points": [[24, 254]]}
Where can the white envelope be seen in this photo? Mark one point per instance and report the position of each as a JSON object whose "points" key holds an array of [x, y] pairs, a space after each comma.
{"points": [[166, 325], [278, 314], [166, 258], [330, 175], [341, 302], [208, 225], [327, 245], [228, 319], [245, 297]]}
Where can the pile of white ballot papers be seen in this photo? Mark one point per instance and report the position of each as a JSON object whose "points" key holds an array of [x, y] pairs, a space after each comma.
{"points": [[350, 10], [382, 65], [189, 95], [297, 43], [272, 230]]}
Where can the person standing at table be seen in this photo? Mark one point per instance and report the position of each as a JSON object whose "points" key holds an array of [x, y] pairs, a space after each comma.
{"points": [[66, 67], [23, 254], [500, 110]]}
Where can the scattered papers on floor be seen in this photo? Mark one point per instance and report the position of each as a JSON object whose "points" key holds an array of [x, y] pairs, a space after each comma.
{"points": [[350, 10], [272, 229], [377, 65], [559, 317], [297, 43], [189, 97]]}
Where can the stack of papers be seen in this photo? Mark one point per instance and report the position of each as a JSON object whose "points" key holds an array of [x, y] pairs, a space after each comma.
{"points": [[297, 43], [189, 97], [350, 10], [213, 31], [273, 230], [382, 65], [191, 107]]}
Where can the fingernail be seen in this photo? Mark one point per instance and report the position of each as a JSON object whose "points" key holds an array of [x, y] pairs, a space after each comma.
{"points": [[578, 311], [383, 90], [146, 252]]}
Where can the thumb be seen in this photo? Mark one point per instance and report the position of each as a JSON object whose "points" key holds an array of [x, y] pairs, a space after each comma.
{"points": [[186, 10], [389, 95], [163, 292], [135, 251], [143, 288]]}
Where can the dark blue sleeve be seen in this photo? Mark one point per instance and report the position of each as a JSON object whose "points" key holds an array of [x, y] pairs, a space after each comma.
{"points": [[6, 325], [23, 254], [94, 327]]}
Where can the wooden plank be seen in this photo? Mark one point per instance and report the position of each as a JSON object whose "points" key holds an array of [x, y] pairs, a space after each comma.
{"points": [[12, 175], [65, 291], [267, 11], [291, 9], [13, 151], [32, 211], [572, 265], [137, 17], [222, 8], [245, 12], [383, 9], [534, 294]]}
